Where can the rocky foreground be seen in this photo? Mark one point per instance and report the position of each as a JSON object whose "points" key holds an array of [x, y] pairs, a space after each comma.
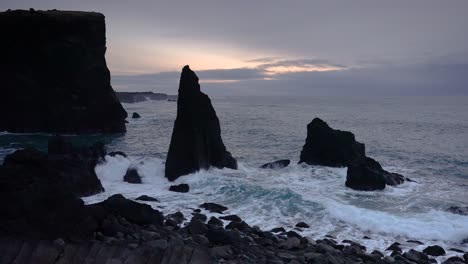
{"points": [[44, 221]]}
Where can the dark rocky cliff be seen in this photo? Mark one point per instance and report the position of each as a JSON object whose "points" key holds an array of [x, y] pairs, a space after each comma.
{"points": [[54, 76]]}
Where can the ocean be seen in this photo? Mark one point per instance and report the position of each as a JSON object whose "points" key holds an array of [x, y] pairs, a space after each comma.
{"points": [[423, 138]]}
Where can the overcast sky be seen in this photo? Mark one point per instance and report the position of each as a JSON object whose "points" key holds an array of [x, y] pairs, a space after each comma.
{"points": [[398, 47]]}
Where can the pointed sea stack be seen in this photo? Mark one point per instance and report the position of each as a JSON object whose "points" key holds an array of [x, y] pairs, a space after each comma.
{"points": [[196, 141], [54, 74]]}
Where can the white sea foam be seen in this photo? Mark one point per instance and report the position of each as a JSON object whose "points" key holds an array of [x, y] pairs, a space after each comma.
{"points": [[272, 198]]}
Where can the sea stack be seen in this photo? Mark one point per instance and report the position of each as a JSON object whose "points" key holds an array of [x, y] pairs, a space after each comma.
{"points": [[196, 141], [329, 147], [335, 148], [54, 74]]}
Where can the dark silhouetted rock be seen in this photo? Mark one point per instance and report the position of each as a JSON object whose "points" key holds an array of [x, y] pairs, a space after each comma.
{"points": [[434, 251], [454, 260], [395, 247], [329, 147], [215, 221], [458, 210], [214, 208], [276, 164], [196, 138], [136, 115], [416, 256], [199, 216], [117, 153], [136, 97], [234, 218], [134, 212], [132, 176], [278, 230], [197, 227], [147, 198], [365, 175], [183, 188], [54, 74], [368, 175], [302, 225]]}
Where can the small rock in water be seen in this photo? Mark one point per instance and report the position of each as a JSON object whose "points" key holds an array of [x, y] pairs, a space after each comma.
{"points": [[395, 247], [302, 225], [136, 115], [276, 164], [182, 188], [147, 198], [233, 218], [278, 230], [366, 237], [457, 250], [458, 210], [434, 251], [132, 176], [214, 208], [415, 242], [115, 153]]}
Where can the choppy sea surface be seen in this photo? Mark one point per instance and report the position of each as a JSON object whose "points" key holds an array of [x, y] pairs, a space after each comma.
{"points": [[423, 138]]}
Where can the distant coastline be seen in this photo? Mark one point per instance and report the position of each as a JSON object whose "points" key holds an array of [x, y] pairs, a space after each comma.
{"points": [[137, 97]]}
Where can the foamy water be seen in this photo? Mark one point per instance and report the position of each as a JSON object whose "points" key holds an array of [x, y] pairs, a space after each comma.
{"points": [[283, 197], [423, 138]]}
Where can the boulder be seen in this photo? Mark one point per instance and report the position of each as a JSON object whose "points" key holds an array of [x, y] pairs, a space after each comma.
{"points": [[196, 141], [183, 188], [365, 175], [329, 147], [302, 225], [214, 208], [368, 175], [136, 115], [132, 176], [147, 198], [276, 164], [233, 218], [434, 251], [416, 256], [54, 74]]}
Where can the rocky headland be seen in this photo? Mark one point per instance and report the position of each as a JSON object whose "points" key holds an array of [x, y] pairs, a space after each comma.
{"points": [[54, 74]]}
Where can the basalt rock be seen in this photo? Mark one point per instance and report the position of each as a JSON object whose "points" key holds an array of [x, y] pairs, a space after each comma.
{"points": [[365, 175], [276, 164], [368, 175], [54, 74], [458, 210], [182, 188], [136, 115], [196, 141], [132, 176], [329, 147]]}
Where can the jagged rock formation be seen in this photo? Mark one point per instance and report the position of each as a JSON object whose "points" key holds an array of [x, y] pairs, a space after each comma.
{"points": [[54, 74], [196, 138], [335, 148], [329, 147]]}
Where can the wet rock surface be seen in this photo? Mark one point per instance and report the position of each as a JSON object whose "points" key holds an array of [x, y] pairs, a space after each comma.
{"points": [[279, 164]]}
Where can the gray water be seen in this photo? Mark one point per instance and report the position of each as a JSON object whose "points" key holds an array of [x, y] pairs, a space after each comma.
{"points": [[423, 138]]}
